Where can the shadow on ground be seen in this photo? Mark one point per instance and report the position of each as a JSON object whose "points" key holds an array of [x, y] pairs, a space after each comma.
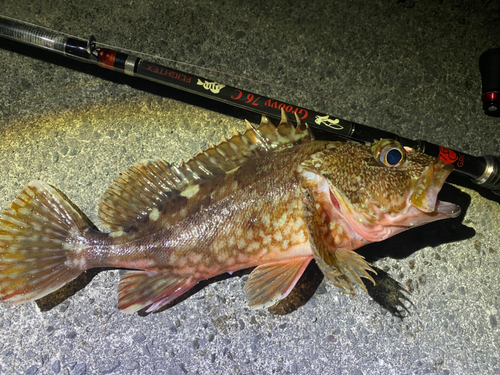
{"points": [[387, 291]]}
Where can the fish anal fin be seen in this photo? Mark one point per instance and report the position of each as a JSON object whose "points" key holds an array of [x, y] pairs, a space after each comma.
{"points": [[270, 283], [139, 289]]}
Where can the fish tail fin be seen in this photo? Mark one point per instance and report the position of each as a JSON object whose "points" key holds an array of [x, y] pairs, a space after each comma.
{"points": [[42, 244]]}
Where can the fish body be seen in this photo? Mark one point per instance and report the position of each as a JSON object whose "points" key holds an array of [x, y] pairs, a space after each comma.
{"points": [[272, 197]]}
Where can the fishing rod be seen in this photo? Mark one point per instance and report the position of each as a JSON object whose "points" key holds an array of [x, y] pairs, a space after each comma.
{"points": [[482, 170]]}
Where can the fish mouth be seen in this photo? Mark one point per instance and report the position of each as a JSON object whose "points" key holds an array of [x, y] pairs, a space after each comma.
{"points": [[448, 209], [426, 191]]}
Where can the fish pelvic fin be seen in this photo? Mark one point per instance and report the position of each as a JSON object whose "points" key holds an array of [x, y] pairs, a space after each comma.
{"points": [[139, 289], [42, 244], [270, 283]]}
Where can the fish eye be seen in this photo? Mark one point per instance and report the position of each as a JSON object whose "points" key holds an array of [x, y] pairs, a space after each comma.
{"points": [[390, 153]]}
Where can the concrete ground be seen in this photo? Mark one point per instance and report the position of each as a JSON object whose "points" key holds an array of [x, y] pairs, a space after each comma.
{"points": [[410, 67]]}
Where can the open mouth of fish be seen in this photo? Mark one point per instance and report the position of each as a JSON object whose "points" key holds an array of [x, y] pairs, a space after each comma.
{"points": [[425, 195], [422, 207]]}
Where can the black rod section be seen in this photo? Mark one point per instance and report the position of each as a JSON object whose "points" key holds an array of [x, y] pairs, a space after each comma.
{"points": [[483, 170]]}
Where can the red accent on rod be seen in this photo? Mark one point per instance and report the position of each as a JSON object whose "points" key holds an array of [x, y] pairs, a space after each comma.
{"points": [[107, 58], [490, 97], [447, 155], [451, 157]]}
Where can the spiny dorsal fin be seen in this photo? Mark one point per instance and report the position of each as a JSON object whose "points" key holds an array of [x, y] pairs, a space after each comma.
{"points": [[150, 184]]}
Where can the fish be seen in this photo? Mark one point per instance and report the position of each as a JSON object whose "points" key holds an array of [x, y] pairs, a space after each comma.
{"points": [[271, 197]]}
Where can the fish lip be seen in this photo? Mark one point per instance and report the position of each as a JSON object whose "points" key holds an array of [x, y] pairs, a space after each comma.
{"points": [[431, 203], [448, 209]]}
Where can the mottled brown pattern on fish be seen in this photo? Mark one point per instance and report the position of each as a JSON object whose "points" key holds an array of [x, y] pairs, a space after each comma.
{"points": [[243, 219], [363, 180]]}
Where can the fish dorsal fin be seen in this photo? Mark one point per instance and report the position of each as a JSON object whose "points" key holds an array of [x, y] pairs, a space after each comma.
{"points": [[150, 184]]}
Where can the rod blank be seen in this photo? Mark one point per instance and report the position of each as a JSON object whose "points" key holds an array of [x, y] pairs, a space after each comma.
{"points": [[483, 170]]}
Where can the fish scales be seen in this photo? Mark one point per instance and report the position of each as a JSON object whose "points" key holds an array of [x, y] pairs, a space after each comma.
{"points": [[272, 197], [240, 220]]}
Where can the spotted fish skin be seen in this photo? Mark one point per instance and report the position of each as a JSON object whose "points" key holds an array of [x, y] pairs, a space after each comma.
{"points": [[272, 197], [247, 217]]}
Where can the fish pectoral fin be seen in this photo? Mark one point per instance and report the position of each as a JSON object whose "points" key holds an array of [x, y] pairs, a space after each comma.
{"points": [[270, 283], [139, 289], [343, 266]]}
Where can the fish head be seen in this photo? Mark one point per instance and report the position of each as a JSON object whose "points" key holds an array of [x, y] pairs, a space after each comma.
{"points": [[385, 188]]}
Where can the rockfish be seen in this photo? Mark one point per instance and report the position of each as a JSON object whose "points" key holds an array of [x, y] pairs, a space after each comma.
{"points": [[272, 197]]}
